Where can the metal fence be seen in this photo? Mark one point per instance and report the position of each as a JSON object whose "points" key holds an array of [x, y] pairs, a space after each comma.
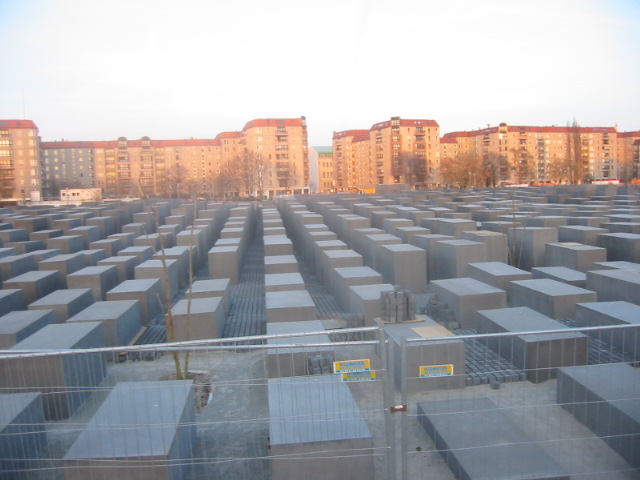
{"points": [[349, 403], [540, 404], [251, 408]]}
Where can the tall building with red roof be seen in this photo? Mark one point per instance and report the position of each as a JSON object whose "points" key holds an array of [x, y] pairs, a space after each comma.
{"points": [[20, 168]]}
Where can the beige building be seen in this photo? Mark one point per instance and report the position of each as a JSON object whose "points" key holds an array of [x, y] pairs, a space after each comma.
{"points": [[280, 147], [20, 169], [321, 170], [527, 154]]}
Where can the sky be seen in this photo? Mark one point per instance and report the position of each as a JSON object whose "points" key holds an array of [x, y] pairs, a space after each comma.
{"points": [[98, 70]]}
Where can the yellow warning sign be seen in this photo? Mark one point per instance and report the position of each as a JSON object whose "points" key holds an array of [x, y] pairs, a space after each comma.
{"points": [[430, 371], [343, 366], [358, 376]]}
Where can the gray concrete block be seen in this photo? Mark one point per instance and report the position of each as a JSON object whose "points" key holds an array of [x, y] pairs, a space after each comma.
{"points": [[64, 303], [561, 274], [293, 358], [343, 278], [125, 266], [621, 246], [148, 292], [605, 399], [155, 269], [18, 325], [612, 313], [280, 264], [478, 440], [619, 284], [496, 244], [290, 306], [200, 318], [14, 265], [583, 234], [424, 354], [142, 431], [64, 380], [143, 253], [549, 297], [326, 427], [35, 284], [539, 355], [465, 296], [497, 274], [277, 282], [527, 246], [220, 287], [121, 320], [23, 435], [65, 264], [573, 255], [365, 300], [225, 262], [454, 256], [100, 279], [89, 234], [404, 266], [10, 300], [66, 243]]}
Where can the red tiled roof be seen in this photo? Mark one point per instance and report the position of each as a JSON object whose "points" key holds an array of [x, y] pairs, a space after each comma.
{"points": [[362, 137], [406, 123], [273, 122], [348, 133], [629, 134], [229, 135], [191, 142], [17, 124]]}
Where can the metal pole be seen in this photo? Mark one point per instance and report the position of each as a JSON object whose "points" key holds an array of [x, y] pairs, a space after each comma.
{"points": [[387, 398]]}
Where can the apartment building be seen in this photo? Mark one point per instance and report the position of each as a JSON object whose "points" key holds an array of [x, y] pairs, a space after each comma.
{"points": [[20, 168], [321, 170], [527, 154], [279, 146], [67, 165]]}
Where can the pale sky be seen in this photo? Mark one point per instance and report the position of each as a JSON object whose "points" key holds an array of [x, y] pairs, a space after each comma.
{"points": [[100, 69]]}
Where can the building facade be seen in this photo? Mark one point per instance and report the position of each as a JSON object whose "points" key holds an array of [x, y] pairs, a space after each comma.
{"points": [[531, 155], [20, 160], [321, 170]]}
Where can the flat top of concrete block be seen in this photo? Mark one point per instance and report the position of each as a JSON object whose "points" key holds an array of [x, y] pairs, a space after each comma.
{"points": [[277, 240], [12, 404], [279, 259], [380, 237], [301, 412], [341, 254], [225, 249], [289, 299], [155, 263], [499, 268], [109, 310], [624, 274], [198, 305], [524, 319], [7, 292], [118, 259], [357, 272], [403, 248], [62, 257], [625, 311], [273, 279], [62, 297], [563, 273], [553, 288], [212, 285], [33, 276], [406, 329], [477, 434], [131, 286], [618, 383], [327, 243], [371, 292], [618, 265], [460, 242], [307, 326], [58, 336], [466, 286], [18, 319], [575, 246], [621, 235], [97, 270], [138, 419]]}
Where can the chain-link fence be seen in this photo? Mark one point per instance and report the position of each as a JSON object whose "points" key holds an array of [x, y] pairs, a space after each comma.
{"points": [[557, 403], [264, 407]]}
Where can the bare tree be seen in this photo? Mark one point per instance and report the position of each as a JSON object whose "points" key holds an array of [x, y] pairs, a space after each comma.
{"points": [[414, 168], [251, 169], [463, 171], [522, 165], [493, 166]]}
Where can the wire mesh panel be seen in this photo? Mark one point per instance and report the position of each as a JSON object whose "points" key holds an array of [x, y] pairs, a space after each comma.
{"points": [[557, 402], [268, 407]]}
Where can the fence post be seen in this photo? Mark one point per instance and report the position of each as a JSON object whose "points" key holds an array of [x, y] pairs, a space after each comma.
{"points": [[387, 398], [404, 401]]}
